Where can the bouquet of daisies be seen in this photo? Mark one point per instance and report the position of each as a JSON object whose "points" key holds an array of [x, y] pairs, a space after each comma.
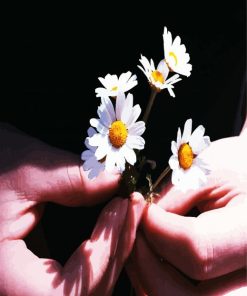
{"points": [[115, 139]]}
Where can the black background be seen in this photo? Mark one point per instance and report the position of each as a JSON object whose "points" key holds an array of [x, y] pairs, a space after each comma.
{"points": [[54, 56]]}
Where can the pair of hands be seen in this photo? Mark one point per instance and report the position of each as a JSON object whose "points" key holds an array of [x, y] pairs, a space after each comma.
{"points": [[209, 246], [171, 248]]}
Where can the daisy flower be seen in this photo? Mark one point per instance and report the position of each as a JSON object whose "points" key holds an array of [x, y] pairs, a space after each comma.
{"points": [[189, 171], [175, 54], [118, 132], [91, 163], [113, 85], [157, 77]]}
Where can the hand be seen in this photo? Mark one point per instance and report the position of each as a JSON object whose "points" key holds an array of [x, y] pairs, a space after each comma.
{"points": [[210, 248], [33, 173]]}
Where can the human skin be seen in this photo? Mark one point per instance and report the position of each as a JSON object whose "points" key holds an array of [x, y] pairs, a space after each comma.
{"points": [[31, 174], [210, 248]]}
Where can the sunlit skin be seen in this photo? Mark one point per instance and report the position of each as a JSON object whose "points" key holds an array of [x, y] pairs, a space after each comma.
{"points": [[33, 173], [210, 248]]}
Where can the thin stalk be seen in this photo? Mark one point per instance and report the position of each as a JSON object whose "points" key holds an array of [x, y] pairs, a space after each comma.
{"points": [[149, 106], [161, 177]]}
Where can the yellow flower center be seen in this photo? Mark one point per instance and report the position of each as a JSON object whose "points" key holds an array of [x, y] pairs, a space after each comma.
{"points": [[114, 88], [172, 54], [185, 156], [158, 77], [118, 134]]}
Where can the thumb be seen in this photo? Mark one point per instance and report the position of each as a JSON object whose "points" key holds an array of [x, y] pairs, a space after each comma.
{"points": [[56, 175]]}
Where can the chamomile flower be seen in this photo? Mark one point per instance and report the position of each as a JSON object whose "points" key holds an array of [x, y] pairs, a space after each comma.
{"points": [[118, 132], [189, 171], [175, 54], [157, 76], [113, 85], [91, 163]]}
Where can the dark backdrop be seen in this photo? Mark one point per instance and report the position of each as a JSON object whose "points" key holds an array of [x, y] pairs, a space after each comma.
{"points": [[56, 54]]}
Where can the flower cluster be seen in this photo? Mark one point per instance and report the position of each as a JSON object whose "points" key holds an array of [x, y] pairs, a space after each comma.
{"points": [[115, 137]]}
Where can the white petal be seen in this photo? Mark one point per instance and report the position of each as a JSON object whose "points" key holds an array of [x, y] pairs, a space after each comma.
{"points": [[171, 92], [136, 111], [179, 137], [98, 125], [129, 154], [119, 105], [173, 162], [95, 171], [187, 131], [89, 163], [101, 152], [124, 77], [135, 142], [196, 137], [201, 145], [176, 177], [109, 107], [127, 108], [86, 154], [96, 140], [176, 42], [89, 147], [120, 162], [174, 148], [137, 129], [103, 81], [110, 161], [91, 131]]}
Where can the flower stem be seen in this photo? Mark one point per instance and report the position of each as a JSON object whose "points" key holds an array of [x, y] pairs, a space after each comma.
{"points": [[162, 176], [149, 106]]}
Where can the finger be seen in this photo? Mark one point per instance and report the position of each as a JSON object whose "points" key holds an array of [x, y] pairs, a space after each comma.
{"points": [[154, 278], [174, 201], [58, 176], [210, 245], [161, 278], [134, 278], [125, 244], [22, 273]]}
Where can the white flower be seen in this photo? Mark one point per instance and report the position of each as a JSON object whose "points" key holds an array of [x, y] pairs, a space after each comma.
{"points": [[91, 163], [113, 85], [189, 171], [175, 54], [157, 77], [118, 132]]}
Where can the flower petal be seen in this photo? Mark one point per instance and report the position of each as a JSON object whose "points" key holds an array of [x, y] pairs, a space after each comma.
{"points": [[196, 137], [174, 148], [173, 162], [136, 111], [127, 108], [99, 126], [137, 129], [135, 142], [86, 154], [187, 131], [179, 138], [119, 105], [129, 154]]}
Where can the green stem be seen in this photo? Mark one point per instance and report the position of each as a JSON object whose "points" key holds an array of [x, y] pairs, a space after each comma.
{"points": [[161, 177], [149, 106]]}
